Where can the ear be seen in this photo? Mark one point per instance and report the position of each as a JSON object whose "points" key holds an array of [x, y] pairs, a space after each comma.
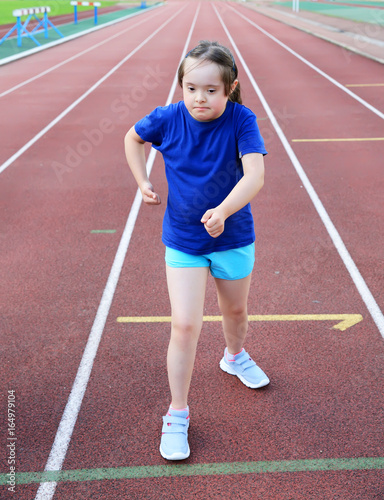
{"points": [[234, 85]]}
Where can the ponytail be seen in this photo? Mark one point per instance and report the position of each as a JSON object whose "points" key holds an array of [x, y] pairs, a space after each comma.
{"points": [[235, 95]]}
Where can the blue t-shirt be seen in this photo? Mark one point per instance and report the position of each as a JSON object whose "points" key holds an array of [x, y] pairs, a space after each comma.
{"points": [[202, 165]]}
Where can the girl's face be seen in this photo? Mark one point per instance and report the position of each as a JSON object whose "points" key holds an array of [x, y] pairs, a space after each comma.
{"points": [[203, 90]]}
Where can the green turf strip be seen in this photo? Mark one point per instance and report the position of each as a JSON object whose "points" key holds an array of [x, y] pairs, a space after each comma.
{"points": [[361, 3], [212, 469], [107, 231], [58, 7], [9, 47], [359, 14]]}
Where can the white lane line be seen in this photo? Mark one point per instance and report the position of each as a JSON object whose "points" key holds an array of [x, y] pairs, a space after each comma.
{"points": [[81, 98], [358, 280], [64, 432], [318, 70], [56, 66], [66, 39]]}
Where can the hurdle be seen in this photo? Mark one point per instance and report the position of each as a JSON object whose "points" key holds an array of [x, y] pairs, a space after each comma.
{"points": [[92, 4], [22, 27]]}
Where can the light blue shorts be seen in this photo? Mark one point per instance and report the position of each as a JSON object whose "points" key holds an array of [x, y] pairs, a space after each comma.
{"points": [[227, 265]]}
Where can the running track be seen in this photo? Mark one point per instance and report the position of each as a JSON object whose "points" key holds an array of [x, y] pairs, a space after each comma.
{"points": [[316, 431]]}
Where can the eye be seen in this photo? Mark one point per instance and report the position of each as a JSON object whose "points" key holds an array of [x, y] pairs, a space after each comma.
{"points": [[211, 91], [191, 89]]}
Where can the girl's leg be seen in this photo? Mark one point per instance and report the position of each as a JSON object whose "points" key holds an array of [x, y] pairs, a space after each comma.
{"points": [[186, 287], [233, 298]]}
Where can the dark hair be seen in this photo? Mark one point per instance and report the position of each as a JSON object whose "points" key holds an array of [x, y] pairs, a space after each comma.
{"points": [[220, 55]]}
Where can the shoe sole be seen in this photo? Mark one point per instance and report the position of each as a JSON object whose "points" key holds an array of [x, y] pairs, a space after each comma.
{"points": [[175, 456], [228, 369]]}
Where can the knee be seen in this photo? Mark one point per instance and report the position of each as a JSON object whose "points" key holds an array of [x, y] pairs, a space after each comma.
{"points": [[236, 312], [184, 331]]}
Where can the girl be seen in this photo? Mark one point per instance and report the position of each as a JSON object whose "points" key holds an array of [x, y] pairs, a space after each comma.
{"points": [[213, 154]]}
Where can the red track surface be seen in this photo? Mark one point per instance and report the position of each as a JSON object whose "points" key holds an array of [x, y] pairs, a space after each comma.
{"points": [[325, 399]]}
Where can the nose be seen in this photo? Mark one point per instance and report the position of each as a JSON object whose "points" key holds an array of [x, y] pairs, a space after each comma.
{"points": [[199, 96]]}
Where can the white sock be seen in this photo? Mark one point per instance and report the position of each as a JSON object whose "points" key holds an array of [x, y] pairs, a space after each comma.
{"points": [[176, 409], [231, 357]]}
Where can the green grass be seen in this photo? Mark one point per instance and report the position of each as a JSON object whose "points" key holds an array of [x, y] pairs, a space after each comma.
{"points": [[58, 7], [354, 13]]}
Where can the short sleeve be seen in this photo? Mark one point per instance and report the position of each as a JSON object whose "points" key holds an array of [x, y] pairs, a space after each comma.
{"points": [[249, 139], [150, 128]]}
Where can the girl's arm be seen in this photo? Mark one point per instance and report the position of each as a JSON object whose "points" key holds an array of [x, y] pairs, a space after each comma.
{"points": [[135, 153], [244, 191]]}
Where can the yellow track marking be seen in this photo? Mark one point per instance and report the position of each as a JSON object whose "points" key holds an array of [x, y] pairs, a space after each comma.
{"points": [[364, 85], [345, 320]]}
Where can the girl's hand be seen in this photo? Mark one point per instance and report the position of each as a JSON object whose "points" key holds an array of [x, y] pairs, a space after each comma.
{"points": [[213, 221], [149, 195]]}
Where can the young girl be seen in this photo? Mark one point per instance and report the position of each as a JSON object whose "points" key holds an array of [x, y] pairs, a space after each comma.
{"points": [[213, 154]]}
